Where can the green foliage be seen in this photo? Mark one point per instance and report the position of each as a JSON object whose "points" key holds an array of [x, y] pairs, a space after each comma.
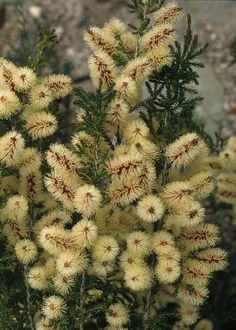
{"points": [[142, 9], [172, 96], [46, 41]]}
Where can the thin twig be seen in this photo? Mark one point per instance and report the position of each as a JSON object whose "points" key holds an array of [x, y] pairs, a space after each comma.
{"points": [[147, 308], [82, 287], [28, 300]]}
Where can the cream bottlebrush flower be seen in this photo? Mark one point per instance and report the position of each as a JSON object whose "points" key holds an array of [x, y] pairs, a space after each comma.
{"points": [[37, 278], [83, 140], [145, 148], [159, 57], [9, 184], [59, 85], [16, 208], [117, 315], [9, 103], [139, 243], [161, 239], [231, 143], [41, 125], [226, 179], [138, 278], [53, 308], [204, 324], [138, 69], [226, 194], [214, 258], [150, 208], [106, 218], [118, 111], [126, 223], [7, 70], [62, 188], [227, 158], [102, 70], [48, 202], [203, 184], [71, 263], [171, 225], [129, 41], [199, 237], [184, 150], [115, 27], [31, 185], [87, 199], [24, 78], [169, 253], [177, 193], [62, 159], [159, 35], [168, 14], [126, 191], [54, 217], [168, 271], [190, 214], [44, 324], [105, 249], [147, 178], [102, 269], [189, 314], [15, 232], [125, 165], [100, 40], [195, 272], [11, 148], [50, 266], [85, 232], [62, 283], [135, 129], [56, 240], [40, 96], [29, 161], [180, 326], [212, 163], [127, 89], [26, 251], [192, 294], [129, 259]]}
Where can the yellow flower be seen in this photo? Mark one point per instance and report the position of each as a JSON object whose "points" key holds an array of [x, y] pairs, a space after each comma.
{"points": [[11, 148], [26, 251], [40, 125], [53, 307], [105, 249], [9, 104], [37, 278], [84, 233], [117, 315], [87, 199], [150, 208], [138, 278], [138, 243]]}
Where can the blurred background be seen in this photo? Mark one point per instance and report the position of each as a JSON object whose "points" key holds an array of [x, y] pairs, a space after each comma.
{"points": [[213, 20]]}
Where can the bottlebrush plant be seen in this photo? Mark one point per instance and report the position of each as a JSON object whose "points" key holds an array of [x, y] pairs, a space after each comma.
{"points": [[108, 231]]}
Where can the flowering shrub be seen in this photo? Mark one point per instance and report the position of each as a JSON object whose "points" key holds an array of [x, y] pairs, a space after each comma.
{"points": [[110, 228]]}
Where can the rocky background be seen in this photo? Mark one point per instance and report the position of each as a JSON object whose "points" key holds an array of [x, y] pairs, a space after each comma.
{"points": [[213, 20]]}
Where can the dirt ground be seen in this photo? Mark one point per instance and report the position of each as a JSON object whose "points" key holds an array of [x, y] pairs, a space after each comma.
{"points": [[213, 20]]}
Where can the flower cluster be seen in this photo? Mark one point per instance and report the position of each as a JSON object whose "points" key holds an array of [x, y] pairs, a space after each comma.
{"points": [[140, 225]]}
